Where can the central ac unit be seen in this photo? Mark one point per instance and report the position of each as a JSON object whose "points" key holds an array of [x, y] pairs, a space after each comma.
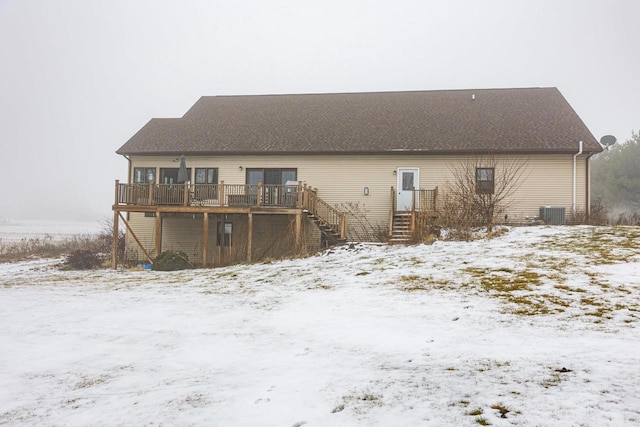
{"points": [[552, 215]]}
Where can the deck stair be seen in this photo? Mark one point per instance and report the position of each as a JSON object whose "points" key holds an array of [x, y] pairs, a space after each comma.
{"points": [[331, 222], [401, 228], [330, 234]]}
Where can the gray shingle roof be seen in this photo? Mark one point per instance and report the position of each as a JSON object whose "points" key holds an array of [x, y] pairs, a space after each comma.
{"points": [[450, 121]]}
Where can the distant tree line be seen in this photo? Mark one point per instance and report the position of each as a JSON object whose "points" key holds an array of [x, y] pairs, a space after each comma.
{"points": [[615, 177]]}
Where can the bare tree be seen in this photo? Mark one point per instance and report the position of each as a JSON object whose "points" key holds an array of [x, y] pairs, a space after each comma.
{"points": [[482, 188]]}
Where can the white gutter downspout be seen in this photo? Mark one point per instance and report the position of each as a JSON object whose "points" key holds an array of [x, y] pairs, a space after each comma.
{"points": [[575, 157]]}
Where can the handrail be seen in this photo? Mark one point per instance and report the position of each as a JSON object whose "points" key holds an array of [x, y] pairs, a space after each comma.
{"points": [[326, 213]]}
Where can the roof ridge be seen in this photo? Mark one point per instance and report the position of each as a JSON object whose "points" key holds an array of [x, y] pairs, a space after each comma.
{"points": [[375, 92]]}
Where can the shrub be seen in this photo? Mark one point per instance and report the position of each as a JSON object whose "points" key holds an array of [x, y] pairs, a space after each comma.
{"points": [[171, 261], [82, 259], [599, 213]]}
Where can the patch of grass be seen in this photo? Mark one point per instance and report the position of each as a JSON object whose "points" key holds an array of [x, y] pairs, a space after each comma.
{"points": [[414, 282], [358, 399], [520, 291], [370, 397], [604, 245], [568, 288], [90, 382], [501, 408], [553, 381], [527, 307], [489, 364], [557, 300], [232, 274], [476, 411], [482, 421], [600, 314], [505, 280], [590, 301], [338, 408]]}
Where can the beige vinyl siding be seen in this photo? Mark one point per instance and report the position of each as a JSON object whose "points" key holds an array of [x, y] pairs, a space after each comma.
{"points": [[184, 232], [144, 228], [340, 180]]}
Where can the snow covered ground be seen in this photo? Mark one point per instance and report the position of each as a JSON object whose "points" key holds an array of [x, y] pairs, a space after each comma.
{"points": [[538, 327]]}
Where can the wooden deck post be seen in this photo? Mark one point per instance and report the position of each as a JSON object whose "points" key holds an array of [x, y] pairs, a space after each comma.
{"points": [[299, 199], [249, 237], [343, 225], [158, 234], [259, 194], [413, 209], [150, 194], [392, 210], [114, 247], [185, 194], [435, 199], [117, 195], [298, 230], [221, 193], [205, 237], [305, 197]]}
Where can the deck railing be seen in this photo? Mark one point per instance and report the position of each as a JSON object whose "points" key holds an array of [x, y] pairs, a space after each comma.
{"points": [[208, 195], [425, 200], [421, 201]]}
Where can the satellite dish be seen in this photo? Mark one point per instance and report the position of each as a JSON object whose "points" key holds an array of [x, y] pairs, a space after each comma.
{"points": [[608, 140]]}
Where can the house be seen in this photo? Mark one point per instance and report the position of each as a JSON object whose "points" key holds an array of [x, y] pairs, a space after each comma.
{"points": [[270, 173]]}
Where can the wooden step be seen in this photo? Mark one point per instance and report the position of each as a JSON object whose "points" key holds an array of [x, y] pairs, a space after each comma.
{"points": [[401, 228]]}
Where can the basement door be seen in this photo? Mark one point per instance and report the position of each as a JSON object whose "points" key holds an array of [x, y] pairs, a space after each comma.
{"points": [[408, 179]]}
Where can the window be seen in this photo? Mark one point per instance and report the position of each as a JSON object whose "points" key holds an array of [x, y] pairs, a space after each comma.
{"points": [[170, 175], [206, 175], [271, 176], [485, 180], [407, 181], [206, 180], [144, 175], [225, 230]]}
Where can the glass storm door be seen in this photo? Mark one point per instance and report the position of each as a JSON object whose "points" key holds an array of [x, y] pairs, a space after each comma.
{"points": [[408, 179]]}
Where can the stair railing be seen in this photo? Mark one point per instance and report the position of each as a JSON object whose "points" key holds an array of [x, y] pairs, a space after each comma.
{"points": [[326, 213]]}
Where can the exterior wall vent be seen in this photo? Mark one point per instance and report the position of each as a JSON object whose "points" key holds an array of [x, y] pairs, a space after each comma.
{"points": [[552, 215]]}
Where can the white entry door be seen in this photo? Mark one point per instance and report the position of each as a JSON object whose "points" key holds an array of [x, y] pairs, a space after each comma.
{"points": [[408, 178]]}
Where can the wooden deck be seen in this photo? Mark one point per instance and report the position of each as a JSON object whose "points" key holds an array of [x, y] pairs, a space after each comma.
{"points": [[224, 198]]}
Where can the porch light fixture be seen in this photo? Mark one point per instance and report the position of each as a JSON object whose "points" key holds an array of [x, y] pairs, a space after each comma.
{"points": [[395, 172], [365, 191], [240, 167]]}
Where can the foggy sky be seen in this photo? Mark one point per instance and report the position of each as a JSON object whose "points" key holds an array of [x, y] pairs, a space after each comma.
{"points": [[79, 78]]}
